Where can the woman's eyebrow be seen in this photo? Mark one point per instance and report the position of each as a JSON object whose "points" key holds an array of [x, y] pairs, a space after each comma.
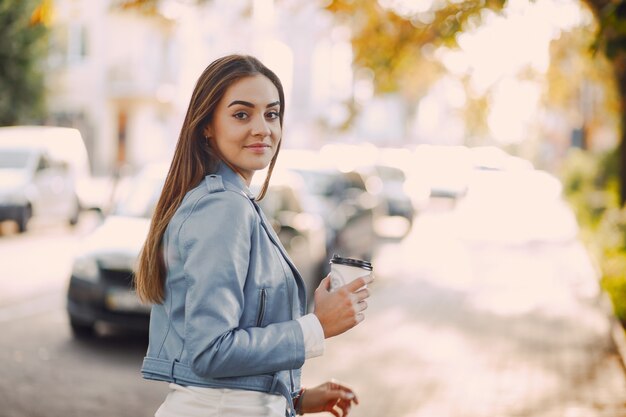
{"points": [[248, 104]]}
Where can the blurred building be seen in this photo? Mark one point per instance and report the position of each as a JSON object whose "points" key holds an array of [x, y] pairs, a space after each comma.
{"points": [[111, 74], [124, 77], [297, 40]]}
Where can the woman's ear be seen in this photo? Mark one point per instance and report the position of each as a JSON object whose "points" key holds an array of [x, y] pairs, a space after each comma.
{"points": [[208, 132]]}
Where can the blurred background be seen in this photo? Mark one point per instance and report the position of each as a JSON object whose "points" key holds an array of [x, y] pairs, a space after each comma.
{"points": [[472, 150]]}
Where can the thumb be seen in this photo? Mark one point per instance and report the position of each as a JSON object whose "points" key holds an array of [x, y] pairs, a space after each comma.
{"points": [[325, 283]]}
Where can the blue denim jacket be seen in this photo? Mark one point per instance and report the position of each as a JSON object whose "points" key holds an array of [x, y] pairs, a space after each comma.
{"points": [[231, 301]]}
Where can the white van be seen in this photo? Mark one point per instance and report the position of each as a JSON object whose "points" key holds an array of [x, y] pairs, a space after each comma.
{"points": [[42, 169]]}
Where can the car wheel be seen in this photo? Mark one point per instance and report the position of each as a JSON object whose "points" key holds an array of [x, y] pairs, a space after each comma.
{"points": [[23, 219], [81, 329]]}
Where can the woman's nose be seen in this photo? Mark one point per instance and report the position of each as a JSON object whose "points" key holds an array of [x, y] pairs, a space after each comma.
{"points": [[260, 127]]}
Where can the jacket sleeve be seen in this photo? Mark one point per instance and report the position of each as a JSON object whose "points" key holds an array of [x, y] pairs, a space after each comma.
{"points": [[215, 244]]}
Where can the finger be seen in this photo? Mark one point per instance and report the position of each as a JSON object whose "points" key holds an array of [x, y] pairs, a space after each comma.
{"points": [[358, 283], [348, 395], [359, 307], [339, 388], [362, 294], [341, 393], [325, 283], [344, 392], [345, 407], [354, 300]]}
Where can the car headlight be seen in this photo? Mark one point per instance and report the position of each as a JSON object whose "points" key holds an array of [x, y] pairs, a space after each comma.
{"points": [[85, 268]]}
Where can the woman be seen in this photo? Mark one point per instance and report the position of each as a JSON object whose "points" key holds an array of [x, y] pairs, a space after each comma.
{"points": [[228, 327]]}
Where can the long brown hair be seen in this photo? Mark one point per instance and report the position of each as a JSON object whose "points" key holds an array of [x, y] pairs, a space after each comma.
{"points": [[194, 158]]}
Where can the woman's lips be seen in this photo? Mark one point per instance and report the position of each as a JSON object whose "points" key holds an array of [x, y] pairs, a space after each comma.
{"points": [[258, 147]]}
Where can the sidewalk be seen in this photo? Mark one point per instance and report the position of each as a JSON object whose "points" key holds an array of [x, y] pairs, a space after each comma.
{"points": [[461, 329]]}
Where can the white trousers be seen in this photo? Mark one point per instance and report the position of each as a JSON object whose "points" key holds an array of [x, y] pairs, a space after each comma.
{"points": [[220, 402]]}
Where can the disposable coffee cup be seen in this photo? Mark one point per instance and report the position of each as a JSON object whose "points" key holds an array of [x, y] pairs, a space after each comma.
{"points": [[345, 270]]}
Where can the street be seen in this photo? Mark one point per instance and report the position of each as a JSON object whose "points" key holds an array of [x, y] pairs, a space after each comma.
{"points": [[45, 371], [462, 327], [457, 326]]}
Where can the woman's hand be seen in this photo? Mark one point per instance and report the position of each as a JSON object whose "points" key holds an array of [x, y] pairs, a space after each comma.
{"points": [[332, 397], [341, 310]]}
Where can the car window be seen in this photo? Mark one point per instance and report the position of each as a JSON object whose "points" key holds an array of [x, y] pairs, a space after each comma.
{"points": [[319, 183], [14, 158], [279, 199], [141, 197]]}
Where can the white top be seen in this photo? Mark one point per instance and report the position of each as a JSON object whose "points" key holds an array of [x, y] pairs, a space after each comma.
{"points": [[313, 335]]}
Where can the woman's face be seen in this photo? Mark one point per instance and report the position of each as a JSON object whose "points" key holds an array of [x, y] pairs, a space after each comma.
{"points": [[246, 126]]}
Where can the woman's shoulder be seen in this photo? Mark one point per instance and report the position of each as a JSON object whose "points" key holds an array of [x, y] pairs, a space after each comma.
{"points": [[217, 196], [209, 211]]}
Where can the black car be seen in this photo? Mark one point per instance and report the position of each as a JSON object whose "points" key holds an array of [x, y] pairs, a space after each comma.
{"points": [[343, 201], [101, 284], [301, 231]]}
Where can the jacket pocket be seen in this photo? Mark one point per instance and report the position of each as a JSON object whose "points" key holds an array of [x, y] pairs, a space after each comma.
{"points": [[262, 301]]}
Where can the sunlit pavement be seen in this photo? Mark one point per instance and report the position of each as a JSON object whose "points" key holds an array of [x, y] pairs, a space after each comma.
{"points": [[37, 263], [471, 316], [469, 327]]}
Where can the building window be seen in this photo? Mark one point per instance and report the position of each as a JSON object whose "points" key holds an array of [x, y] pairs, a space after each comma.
{"points": [[76, 44], [68, 45]]}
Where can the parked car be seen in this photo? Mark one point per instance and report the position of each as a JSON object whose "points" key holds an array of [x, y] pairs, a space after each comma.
{"points": [[347, 209], [300, 230], [63, 145], [491, 158], [32, 183], [101, 283], [340, 198], [444, 168], [387, 183]]}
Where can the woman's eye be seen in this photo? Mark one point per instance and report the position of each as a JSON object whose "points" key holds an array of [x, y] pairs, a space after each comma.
{"points": [[240, 115], [272, 115]]}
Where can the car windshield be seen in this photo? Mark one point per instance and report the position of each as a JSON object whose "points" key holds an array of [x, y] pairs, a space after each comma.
{"points": [[320, 183], [14, 158], [141, 197]]}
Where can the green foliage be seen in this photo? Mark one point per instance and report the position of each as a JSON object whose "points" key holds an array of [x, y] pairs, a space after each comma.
{"points": [[614, 283], [579, 174], [389, 41], [577, 77], [22, 46], [612, 19], [591, 186]]}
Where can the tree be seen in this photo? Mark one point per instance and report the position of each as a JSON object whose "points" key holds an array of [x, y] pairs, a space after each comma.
{"points": [[611, 41], [580, 83], [22, 47], [387, 40], [390, 41]]}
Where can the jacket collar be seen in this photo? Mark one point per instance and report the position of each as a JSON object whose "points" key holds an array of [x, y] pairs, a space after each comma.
{"points": [[233, 178]]}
